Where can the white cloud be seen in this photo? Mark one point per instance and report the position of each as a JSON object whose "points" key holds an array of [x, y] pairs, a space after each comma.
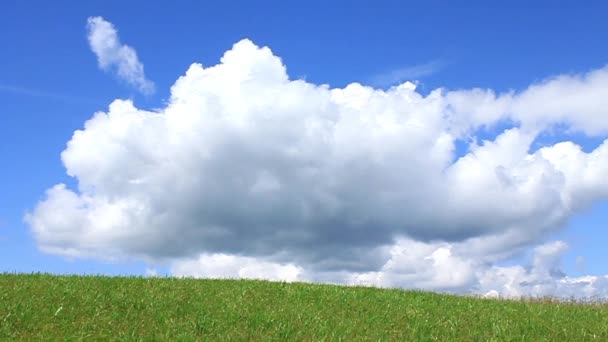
{"points": [[151, 272], [232, 266], [455, 268], [447, 267], [244, 162], [544, 277], [113, 55]]}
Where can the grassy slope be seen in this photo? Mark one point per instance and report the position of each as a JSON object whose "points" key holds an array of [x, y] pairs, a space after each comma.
{"points": [[52, 307]]}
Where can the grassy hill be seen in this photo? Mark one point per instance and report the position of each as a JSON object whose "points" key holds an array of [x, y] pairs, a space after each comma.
{"points": [[45, 307]]}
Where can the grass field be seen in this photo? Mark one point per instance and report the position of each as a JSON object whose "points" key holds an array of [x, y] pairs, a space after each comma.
{"points": [[45, 307]]}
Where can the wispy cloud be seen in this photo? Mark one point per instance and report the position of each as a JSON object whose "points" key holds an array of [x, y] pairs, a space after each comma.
{"points": [[9, 88], [2, 227], [113, 55], [408, 73]]}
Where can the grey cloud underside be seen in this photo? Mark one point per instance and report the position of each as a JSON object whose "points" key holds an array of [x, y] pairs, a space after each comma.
{"points": [[245, 162]]}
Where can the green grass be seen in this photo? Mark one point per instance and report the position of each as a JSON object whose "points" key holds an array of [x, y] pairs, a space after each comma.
{"points": [[45, 307]]}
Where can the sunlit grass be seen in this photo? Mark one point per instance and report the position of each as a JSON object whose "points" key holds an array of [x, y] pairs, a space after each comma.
{"points": [[43, 307]]}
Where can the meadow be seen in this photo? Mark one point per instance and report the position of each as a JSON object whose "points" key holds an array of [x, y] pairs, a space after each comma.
{"points": [[47, 307]]}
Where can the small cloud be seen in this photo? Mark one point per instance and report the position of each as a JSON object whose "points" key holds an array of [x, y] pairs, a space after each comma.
{"points": [[408, 73], [580, 264], [151, 272], [113, 55]]}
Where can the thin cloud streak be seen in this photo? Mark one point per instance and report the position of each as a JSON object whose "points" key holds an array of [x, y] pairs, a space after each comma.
{"points": [[8, 88], [408, 73]]}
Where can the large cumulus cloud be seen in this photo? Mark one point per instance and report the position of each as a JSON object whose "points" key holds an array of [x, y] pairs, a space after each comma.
{"points": [[244, 162]]}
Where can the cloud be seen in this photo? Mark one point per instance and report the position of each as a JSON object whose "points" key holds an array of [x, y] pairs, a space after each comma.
{"points": [[151, 272], [447, 267], [245, 163], [232, 266], [409, 73], [113, 55], [40, 94], [544, 277]]}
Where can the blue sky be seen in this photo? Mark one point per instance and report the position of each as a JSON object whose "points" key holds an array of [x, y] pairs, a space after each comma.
{"points": [[51, 82]]}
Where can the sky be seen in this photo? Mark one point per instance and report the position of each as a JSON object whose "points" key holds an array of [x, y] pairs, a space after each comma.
{"points": [[435, 146]]}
